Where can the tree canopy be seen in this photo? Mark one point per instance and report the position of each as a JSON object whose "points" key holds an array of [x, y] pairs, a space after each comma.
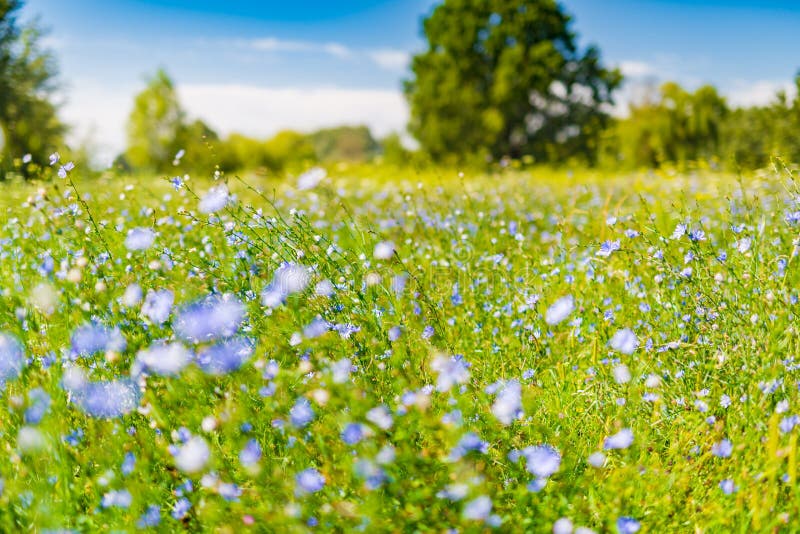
{"points": [[28, 121], [504, 78]]}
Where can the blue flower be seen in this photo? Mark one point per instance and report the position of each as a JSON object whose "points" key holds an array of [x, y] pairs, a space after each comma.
{"points": [[607, 248], [157, 305], [151, 517], [120, 499], [226, 356], [353, 433], [722, 449], [628, 525], [251, 453], [107, 399], [469, 442], [128, 463], [211, 318], [181, 508], [301, 413], [140, 239], [38, 405], [91, 338], [309, 481]]}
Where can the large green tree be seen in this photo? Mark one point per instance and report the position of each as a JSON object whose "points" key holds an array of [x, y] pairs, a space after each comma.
{"points": [[503, 77], [159, 130], [28, 120]]}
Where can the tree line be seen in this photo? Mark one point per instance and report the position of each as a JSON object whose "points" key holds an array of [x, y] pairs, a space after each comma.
{"points": [[498, 81]]}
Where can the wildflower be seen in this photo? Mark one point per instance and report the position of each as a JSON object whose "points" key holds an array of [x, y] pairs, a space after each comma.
{"points": [[106, 399], [381, 417], [478, 509], [39, 404], [30, 439], [181, 508], [211, 318], [251, 453], [128, 463], [132, 295], [596, 459], [727, 486], [225, 356], [384, 250], [12, 358], [622, 375], [215, 199], [309, 481], [628, 525], [621, 440], [624, 341], [64, 169], [140, 239], [164, 359], [353, 433], [394, 333], [150, 518], [541, 461], [311, 178], [119, 499], [193, 455], [507, 406], [451, 371], [559, 310], [91, 338], [301, 413], [743, 245], [287, 280], [469, 442], [722, 449], [607, 248], [563, 526], [158, 305], [54, 157]]}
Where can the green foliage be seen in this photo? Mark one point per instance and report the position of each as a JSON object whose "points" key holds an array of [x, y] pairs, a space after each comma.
{"points": [[28, 121], [353, 144], [158, 129], [673, 126], [289, 150], [506, 79]]}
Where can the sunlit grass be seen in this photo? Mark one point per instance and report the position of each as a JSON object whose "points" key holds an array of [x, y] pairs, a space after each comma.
{"points": [[477, 262]]}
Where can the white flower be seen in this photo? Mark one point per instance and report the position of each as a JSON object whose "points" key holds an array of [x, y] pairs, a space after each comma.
{"points": [[624, 341], [621, 440], [193, 455], [140, 239], [384, 250], [559, 310], [311, 178], [215, 199]]}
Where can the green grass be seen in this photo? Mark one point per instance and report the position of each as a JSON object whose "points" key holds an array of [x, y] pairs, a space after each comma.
{"points": [[728, 328]]}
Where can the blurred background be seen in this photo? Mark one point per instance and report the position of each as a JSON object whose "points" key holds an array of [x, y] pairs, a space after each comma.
{"points": [[274, 87]]}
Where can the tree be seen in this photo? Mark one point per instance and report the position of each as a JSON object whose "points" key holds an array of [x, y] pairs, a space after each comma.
{"points": [[345, 143], [506, 78], [158, 130], [155, 125], [28, 120]]}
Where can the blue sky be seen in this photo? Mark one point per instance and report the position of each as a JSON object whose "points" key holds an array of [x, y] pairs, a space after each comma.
{"points": [[260, 66]]}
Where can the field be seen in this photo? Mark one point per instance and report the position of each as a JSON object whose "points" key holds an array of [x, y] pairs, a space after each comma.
{"points": [[407, 351]]}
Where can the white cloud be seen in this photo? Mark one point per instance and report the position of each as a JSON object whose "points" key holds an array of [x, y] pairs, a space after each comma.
{"points": [[637, 69], [263, 111], [385, 58], [744, 93], [100, 112], [388, 59]]}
